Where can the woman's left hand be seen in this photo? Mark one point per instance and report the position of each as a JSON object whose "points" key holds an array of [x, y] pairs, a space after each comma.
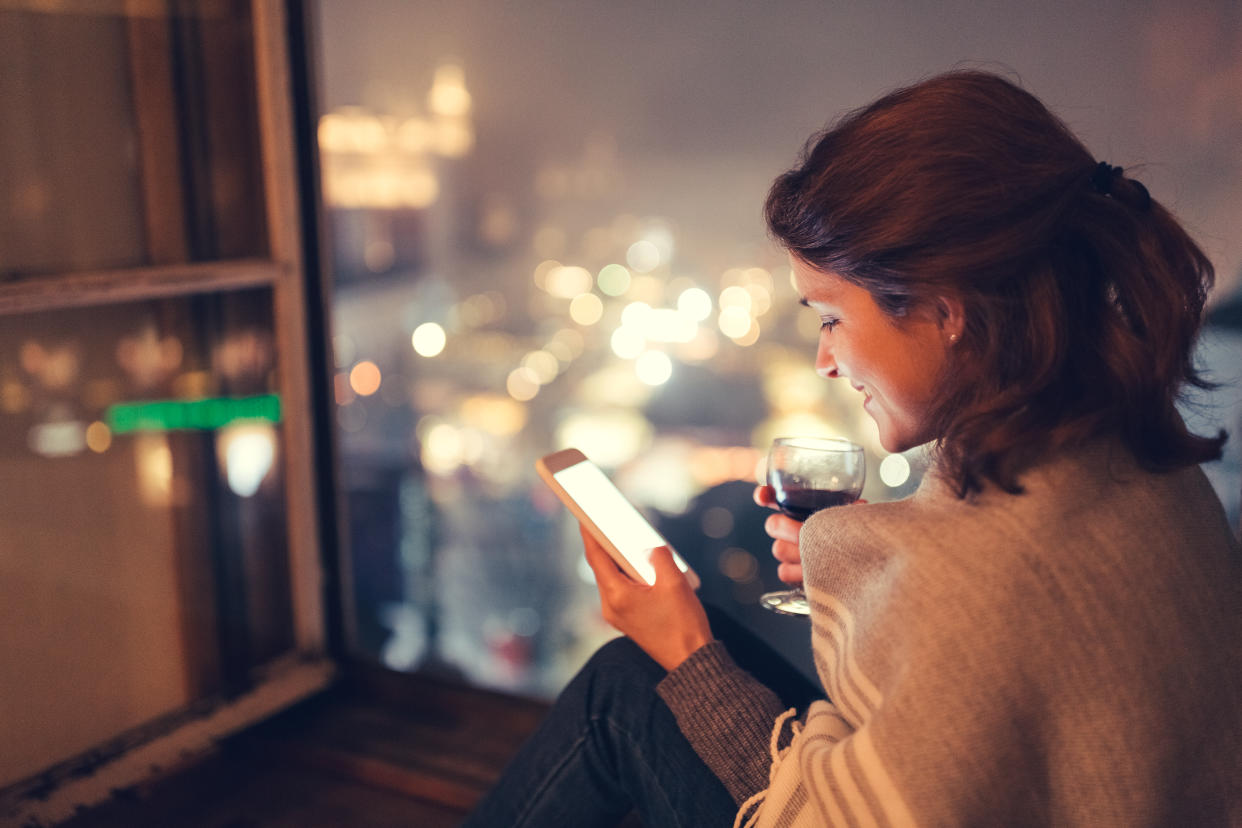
{"points": [[666, 618]]}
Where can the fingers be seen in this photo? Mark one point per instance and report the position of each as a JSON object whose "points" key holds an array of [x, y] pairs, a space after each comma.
{"points": [[765, 496], [605, 568], [782, 527], [665, 567], [786, 552], [785, 549], [790, 573]]}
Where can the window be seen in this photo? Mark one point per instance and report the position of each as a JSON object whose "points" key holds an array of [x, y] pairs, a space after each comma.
{"points": [[161, 549], [546, 231], [147, 563]]}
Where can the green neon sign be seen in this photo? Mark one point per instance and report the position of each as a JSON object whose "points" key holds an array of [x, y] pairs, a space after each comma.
{"points": [[190, 415]]}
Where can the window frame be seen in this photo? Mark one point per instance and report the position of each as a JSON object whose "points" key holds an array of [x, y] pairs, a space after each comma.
{"points": [[291, 270]]}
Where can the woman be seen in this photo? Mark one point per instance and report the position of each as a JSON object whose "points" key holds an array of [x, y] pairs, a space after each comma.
{"points": [[1049, 630]]}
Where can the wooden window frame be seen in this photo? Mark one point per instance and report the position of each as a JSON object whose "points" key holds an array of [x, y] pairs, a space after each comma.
{"points": [[299, 299]]}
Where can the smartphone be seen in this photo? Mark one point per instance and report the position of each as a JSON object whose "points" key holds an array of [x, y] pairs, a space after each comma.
{"points": [[607, 514]]}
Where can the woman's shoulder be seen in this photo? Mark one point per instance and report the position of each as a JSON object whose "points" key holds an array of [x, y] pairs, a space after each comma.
{"points": [[1097, 481], [1080, 514]]}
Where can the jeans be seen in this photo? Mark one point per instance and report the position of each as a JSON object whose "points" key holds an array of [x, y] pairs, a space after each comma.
{"points": [[610, 745]]}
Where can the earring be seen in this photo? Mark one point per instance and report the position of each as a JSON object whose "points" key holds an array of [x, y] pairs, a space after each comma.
{"points": [[953, 337]]}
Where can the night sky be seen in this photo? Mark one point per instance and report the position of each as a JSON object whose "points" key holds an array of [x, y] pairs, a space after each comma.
{"points": [[708, 101]]}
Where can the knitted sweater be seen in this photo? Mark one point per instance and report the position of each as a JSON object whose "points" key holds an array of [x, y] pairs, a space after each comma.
{"points": [[1068, 656]]}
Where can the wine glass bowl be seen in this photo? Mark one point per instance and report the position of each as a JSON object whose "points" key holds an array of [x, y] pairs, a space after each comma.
{"points": [[808, 474]]}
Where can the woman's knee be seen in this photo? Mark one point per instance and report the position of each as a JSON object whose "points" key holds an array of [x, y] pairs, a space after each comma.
{"points": [[623, 660], [619, 673]]}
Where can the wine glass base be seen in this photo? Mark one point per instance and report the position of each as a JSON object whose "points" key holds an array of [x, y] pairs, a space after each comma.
{"points": [[786, 602]]}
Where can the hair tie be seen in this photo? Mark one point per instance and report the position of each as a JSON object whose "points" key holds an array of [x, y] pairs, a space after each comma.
{"points": [[1103, 177]]}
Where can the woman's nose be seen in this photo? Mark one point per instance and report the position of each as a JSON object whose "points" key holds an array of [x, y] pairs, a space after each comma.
{"points": [[825, 365]]}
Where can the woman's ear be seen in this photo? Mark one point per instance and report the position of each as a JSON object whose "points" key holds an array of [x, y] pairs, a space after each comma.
{"points": [[951, 317]]}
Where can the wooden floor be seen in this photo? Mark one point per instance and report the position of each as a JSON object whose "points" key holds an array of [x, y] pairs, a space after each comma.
{"points": [[378, 750]]}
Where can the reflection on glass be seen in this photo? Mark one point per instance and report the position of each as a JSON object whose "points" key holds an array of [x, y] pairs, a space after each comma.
{"points": [[142, 524], [103, 163]]}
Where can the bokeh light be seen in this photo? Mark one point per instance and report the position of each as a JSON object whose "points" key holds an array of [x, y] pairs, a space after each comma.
{"points": [[586, 309], [343, 349], [98, 437], [247, 452], [647, 288], [695, 303], [643, 256], [734, 322], [365, 378], [379, 255], [501, 416], [654, 367], [894, 470], [449, 97], [542, 270], [627, 342], [522, 384], [154, 463], [738, 565], [760, 299], [609, 437], [614, 279], [341, 391], [635, 315], [716, 522], [542, 365], [568, 281], [735, 296], [750, 337], [668, 325], [442, 449], [428, 339]]}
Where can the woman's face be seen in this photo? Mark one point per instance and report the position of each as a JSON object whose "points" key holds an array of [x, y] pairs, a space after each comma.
{"points": [[894, 363]]}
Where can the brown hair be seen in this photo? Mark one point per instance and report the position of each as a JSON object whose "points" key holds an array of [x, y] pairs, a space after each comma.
{"points": [[1082, 297]]}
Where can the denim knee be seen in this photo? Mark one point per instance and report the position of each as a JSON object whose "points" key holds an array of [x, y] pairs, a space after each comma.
{"points": [[617, 678], [623, 655]]}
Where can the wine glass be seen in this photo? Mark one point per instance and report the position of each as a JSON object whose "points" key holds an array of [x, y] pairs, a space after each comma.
{"points": [[808, 474]]}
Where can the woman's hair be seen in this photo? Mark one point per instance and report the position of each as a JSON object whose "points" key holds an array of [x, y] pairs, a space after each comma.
{"points": [[1082, 296]]}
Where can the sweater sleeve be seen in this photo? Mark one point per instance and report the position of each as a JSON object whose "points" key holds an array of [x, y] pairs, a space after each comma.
{"points": [[727, 716]]}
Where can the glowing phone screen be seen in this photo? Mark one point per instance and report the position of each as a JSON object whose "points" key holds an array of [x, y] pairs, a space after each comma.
{"points": [[615, 516]]}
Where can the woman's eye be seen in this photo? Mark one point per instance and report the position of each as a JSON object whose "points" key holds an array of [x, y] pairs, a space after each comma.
{"points": [[828, 324]]}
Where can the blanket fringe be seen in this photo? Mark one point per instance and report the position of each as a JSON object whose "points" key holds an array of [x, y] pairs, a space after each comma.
{"points": [[743, 820]]}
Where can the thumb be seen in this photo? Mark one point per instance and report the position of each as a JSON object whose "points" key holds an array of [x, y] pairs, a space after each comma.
{"points": [[664, 565]]}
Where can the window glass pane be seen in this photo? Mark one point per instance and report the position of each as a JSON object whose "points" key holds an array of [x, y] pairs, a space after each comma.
{"points": [[143, 545], [546, 222], [128, 138]]}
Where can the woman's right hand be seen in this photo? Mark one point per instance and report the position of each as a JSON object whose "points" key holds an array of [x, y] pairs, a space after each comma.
{"points": [[784, 532]]}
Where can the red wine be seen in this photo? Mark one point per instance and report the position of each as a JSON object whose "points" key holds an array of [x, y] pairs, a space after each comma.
{"points": [[800, 502]]}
